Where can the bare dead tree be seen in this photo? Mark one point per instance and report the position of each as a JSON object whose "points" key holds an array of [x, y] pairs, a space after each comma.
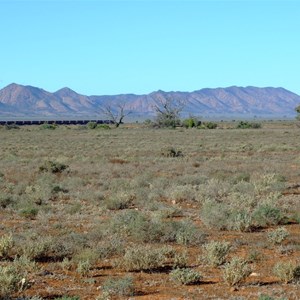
{"points": [[168, 111], [116, 113]]}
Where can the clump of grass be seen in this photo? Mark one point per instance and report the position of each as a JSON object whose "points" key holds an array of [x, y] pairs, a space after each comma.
{"points": [[186, 276]]}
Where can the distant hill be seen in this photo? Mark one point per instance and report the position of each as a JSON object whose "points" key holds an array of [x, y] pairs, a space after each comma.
{"points": [[27, 101]]}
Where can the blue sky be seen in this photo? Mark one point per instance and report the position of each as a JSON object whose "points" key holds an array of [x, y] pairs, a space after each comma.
{"points": [[111, 47]]}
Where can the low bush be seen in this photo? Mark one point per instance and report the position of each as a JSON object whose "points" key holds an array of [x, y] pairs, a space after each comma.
{"points": [[6, 244], [91, 125], [48, 126], [278, 235], [215, 252], [118, 286], [191, 122], [267, 214], [10, 280], [53, 167], [171, 152], [236, 271], [83, 267], [208, 125], [287, 272], [246, 125], [29, 212], [143, 258], [103, 126], [186, 276]]}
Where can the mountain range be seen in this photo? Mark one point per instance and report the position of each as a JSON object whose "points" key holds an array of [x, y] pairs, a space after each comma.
{"points": [[19, 101]]}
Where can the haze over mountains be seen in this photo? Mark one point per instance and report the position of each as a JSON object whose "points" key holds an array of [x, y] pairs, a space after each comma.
{"points": [[18, 101]]}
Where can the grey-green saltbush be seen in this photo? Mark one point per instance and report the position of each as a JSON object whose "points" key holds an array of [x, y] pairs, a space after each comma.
{"points": [[215, 252], [236, 271], [119, 286], [185, 276]]}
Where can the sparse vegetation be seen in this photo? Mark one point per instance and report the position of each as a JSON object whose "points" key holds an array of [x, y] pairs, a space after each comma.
{"points": [[123, 208]]}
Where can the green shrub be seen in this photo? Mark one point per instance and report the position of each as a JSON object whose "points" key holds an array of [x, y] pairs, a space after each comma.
{"points": [[83, 267], [267, 214], [118, 201], [186, 276], [36, 248], [11, 126], [141, 258], [215, 214], [278, 235], [6, 200], [180, 260], [29, 212], [10, 280], [6, 244], [48, 126], [188, 234], [246, 125], [287, 271], [208, 125], [91, 125], [236, 271], [171, 152], [119, 287], [53, 167], [191, 122], [103, 126], [215, 252]]}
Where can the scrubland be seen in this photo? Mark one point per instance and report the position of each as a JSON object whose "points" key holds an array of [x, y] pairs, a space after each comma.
{"points": [[145, 213]]}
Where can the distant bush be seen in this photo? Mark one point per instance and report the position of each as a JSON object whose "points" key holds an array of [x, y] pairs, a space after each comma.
{"points": [[91, 125], [186, 276], [246, 125], [208, 125], [11, 126], [103, 126], [48, 126], [171, 152], [53, 167], [191, 122]]}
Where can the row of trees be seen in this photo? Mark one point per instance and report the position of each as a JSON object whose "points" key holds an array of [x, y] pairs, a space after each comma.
{"points": [[167, 112]]}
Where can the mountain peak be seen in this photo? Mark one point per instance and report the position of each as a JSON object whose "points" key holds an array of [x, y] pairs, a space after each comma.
{"points": [[65, 91]]}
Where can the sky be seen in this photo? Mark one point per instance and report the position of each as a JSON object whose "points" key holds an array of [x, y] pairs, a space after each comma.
{"points": [[109, 47]]}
